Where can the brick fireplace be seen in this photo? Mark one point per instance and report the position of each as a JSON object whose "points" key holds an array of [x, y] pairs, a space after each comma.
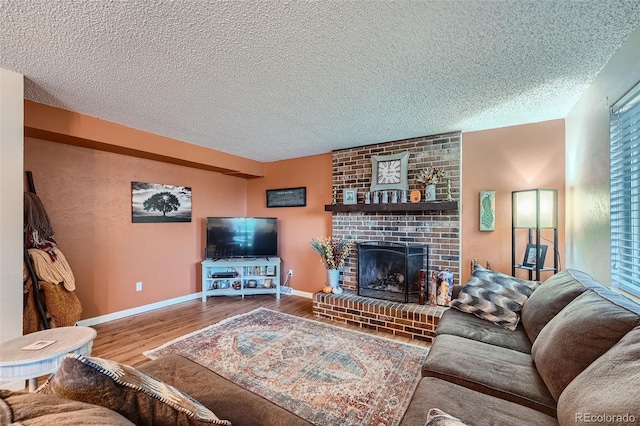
{"points": [[439, 230]]}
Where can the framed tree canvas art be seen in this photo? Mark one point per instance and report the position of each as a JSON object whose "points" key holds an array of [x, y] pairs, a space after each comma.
{"points": [[154, 202]]}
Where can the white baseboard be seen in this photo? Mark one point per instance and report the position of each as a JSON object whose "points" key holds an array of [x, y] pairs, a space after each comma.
{"points": [[138, 310], [163, 304], [302, 293]]}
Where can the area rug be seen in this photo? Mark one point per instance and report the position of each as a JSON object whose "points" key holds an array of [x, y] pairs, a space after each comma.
{"points": [[325, 374]]}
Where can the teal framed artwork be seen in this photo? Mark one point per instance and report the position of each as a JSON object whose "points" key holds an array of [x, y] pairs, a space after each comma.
{"points": [[487, 210]]}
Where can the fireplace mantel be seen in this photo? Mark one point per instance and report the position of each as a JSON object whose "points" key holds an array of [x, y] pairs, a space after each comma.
{"points": [[438, 205]]}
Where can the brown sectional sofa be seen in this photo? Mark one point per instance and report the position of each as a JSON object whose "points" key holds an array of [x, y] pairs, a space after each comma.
{"points": [[77, 406], [573, 359], [574, 356]]}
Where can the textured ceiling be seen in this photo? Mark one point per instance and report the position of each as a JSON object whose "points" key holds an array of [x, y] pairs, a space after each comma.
{"points": [[270, 80]]}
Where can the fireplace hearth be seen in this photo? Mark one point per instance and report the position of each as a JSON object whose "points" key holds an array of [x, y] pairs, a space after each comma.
{"points": [[391, 271]]}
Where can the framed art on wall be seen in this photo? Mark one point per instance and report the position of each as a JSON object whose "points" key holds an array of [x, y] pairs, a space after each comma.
{"points": [[389, 171], [287, 197], [487, 210], [155, 202]]}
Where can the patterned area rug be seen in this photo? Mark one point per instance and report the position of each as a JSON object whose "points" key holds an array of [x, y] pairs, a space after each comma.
{"points": [[325, 374]]}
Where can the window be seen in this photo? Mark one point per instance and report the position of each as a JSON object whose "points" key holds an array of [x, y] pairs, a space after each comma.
{"points": [[625, 192]]}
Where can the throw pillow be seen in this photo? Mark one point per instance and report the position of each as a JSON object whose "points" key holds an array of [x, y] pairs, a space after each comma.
{"points": [[22, 408], [436, 417], [494, 296], [136, 395]]}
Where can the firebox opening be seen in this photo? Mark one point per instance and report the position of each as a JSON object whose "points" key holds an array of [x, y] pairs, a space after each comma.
{"points": [[391, 271]]}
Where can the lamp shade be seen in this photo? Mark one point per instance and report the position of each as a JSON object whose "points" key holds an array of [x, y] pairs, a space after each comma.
{"points": [[535, 208]]}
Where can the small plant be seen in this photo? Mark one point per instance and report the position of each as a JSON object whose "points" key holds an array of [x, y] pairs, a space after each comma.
{"points": [[333, 252], [430, 176]]}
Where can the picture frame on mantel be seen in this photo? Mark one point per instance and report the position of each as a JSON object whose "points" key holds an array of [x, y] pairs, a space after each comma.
{"points": [[350, 196], [389, 171]]}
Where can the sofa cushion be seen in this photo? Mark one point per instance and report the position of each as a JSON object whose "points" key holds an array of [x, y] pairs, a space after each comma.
{"points": [[136, 395], [494, 296], [32, 409], [551, 297], [608, 386], [470, 326], [229, 400], [584, 330], [472, 407], [496, 371]]}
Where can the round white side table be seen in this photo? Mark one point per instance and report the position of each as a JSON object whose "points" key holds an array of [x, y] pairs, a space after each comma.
{"points": [[19, 364]]}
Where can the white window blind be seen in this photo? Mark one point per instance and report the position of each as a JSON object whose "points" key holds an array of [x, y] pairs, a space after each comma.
{"points": [[625, 192]]}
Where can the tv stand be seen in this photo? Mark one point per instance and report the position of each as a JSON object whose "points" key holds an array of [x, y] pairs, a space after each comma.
{"points": [[252, 276]]}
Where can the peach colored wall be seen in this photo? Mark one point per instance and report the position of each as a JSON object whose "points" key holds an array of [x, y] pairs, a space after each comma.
{"points": [[58, 125], [87, 194], [504, 160], [297, 225]]}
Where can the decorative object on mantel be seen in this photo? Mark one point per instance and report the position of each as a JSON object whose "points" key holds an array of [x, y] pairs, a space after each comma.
{"points": [[449, 196], [385, 197], [335, 196], [430, 192], [333, 254], [367, 197], [404, 196], [415, 196], [350, 196], [487, 210], [389, 171], [376, 197], [394, 196], [430, 177]]}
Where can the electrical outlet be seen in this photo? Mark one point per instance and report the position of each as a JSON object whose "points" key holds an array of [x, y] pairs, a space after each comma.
{"points": [[139, 286], [290, 272]]}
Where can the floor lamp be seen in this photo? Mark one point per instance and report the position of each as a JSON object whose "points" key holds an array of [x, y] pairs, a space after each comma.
{"points": [[534, 209]]}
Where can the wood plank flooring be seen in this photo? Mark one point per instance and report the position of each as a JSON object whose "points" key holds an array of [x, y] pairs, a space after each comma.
{"points": [[125, 340]]}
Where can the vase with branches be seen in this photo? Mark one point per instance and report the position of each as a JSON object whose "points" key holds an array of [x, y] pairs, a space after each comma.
{"points": [[430, 177], [333, 251]]}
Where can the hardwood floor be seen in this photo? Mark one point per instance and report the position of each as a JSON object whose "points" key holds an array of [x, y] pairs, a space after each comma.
{"points": [[125, 340]]}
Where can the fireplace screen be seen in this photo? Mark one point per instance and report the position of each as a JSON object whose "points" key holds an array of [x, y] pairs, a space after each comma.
{"points": [[391, 271]]}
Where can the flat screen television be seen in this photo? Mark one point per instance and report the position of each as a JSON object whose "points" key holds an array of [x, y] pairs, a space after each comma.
{"points": [[241, 237]]}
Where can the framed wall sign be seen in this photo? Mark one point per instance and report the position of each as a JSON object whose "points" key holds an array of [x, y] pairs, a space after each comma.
{"points": [[287, 197], [389, 171]]}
